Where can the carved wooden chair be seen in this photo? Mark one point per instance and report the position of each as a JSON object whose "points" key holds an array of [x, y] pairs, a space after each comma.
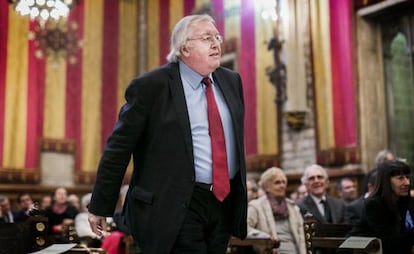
{"points": [[324, 237], [24, 237]]}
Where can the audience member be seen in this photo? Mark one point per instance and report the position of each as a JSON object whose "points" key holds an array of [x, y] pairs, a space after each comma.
{"points": [[260, 190], [299, 194], [302, 192], [323, 208], [82, 227], [353, 211], [293, 196], [7, 214], [346, 190], [73, 199], [252, 189], [61, 215], [386, 214], [275, 216], [45, 202], [384, 155], [25, 204]]}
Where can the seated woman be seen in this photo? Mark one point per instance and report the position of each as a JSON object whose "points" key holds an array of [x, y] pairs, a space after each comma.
{"points": [[387, 214], [61, 216], [275, 216], [83, 229]]}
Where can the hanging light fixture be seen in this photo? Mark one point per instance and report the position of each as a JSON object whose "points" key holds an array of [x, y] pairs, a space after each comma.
{"points": [[44, 9]]}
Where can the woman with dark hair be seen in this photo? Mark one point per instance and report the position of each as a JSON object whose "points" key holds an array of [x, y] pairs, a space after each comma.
{"points": [[387, 214]]}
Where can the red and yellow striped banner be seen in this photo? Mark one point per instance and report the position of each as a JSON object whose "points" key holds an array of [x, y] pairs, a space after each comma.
{"points": [[56, 103]]}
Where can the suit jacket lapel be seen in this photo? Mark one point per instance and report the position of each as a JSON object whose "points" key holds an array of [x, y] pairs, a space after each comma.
{"points": [[224, 83], [332, 209], [180, 105], [225, 89], [314, 209]]}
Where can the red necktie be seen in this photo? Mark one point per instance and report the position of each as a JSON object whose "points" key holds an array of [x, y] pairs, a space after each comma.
{"points": [[221, 184]]}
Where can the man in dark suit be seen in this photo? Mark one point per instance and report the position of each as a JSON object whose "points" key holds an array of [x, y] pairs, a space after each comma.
{"points": [[7, 215], [173, 205], [353, 211], [26, 206], [323, 208]]}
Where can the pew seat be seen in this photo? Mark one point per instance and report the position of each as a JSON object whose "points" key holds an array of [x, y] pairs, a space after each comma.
{"points": [[235, 246], [259, 245], [324, 237]]}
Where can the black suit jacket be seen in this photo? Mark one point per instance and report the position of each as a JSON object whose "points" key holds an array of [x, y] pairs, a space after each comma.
{"points": [[379, 221], [14, 214], [353, 211], [154, 127], [336, 206]]}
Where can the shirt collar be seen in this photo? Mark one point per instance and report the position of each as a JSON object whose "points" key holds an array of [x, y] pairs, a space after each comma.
{"points": [[190, 76], [316, 199]]}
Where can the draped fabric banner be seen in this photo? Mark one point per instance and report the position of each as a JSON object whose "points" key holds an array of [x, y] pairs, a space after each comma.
{"points": [[69, 102], [4, 24], [73, 111], [247, 43], [334, 85], [342, 73]]}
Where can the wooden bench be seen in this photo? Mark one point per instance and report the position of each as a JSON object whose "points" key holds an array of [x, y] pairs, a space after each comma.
{"points": [[235, 246], [260, 245], [324, 237]]}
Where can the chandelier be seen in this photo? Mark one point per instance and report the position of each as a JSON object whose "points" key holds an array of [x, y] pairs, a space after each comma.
{"points": [[57, 39], [44, 9]]}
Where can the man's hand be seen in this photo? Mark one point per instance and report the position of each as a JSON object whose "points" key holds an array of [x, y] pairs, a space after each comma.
{"points": [[97, 223]]}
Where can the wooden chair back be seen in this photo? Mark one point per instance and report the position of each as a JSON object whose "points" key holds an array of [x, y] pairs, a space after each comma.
{"points": [[24, 237], [324, 236]]}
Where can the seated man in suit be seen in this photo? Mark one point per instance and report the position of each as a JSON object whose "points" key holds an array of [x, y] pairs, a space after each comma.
{"points": [[346, 189], [26, 205], [323, 208], [353, 211], [7, 215]]}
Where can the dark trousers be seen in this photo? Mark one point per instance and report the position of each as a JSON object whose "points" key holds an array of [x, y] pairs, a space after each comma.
{"points": [[206, 227]]}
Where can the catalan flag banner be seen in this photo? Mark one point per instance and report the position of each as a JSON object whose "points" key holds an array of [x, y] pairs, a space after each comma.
{"points": [[331, 31], [65, 96], [62, 84]]}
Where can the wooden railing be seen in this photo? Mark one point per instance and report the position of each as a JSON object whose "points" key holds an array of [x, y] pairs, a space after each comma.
{"points": [[326, 238], [235, 246], [261, 246]]}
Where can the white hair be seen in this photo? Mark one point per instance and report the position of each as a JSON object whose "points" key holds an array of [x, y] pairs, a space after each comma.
{"points": [[304, 178], [180, 34], [268, 175]]}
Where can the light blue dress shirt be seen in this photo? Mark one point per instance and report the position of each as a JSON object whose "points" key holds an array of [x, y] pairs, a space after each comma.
{"points": [[195, 97]]}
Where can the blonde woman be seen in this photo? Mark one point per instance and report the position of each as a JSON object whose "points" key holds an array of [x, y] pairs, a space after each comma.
{"points": [[275, 216]]}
